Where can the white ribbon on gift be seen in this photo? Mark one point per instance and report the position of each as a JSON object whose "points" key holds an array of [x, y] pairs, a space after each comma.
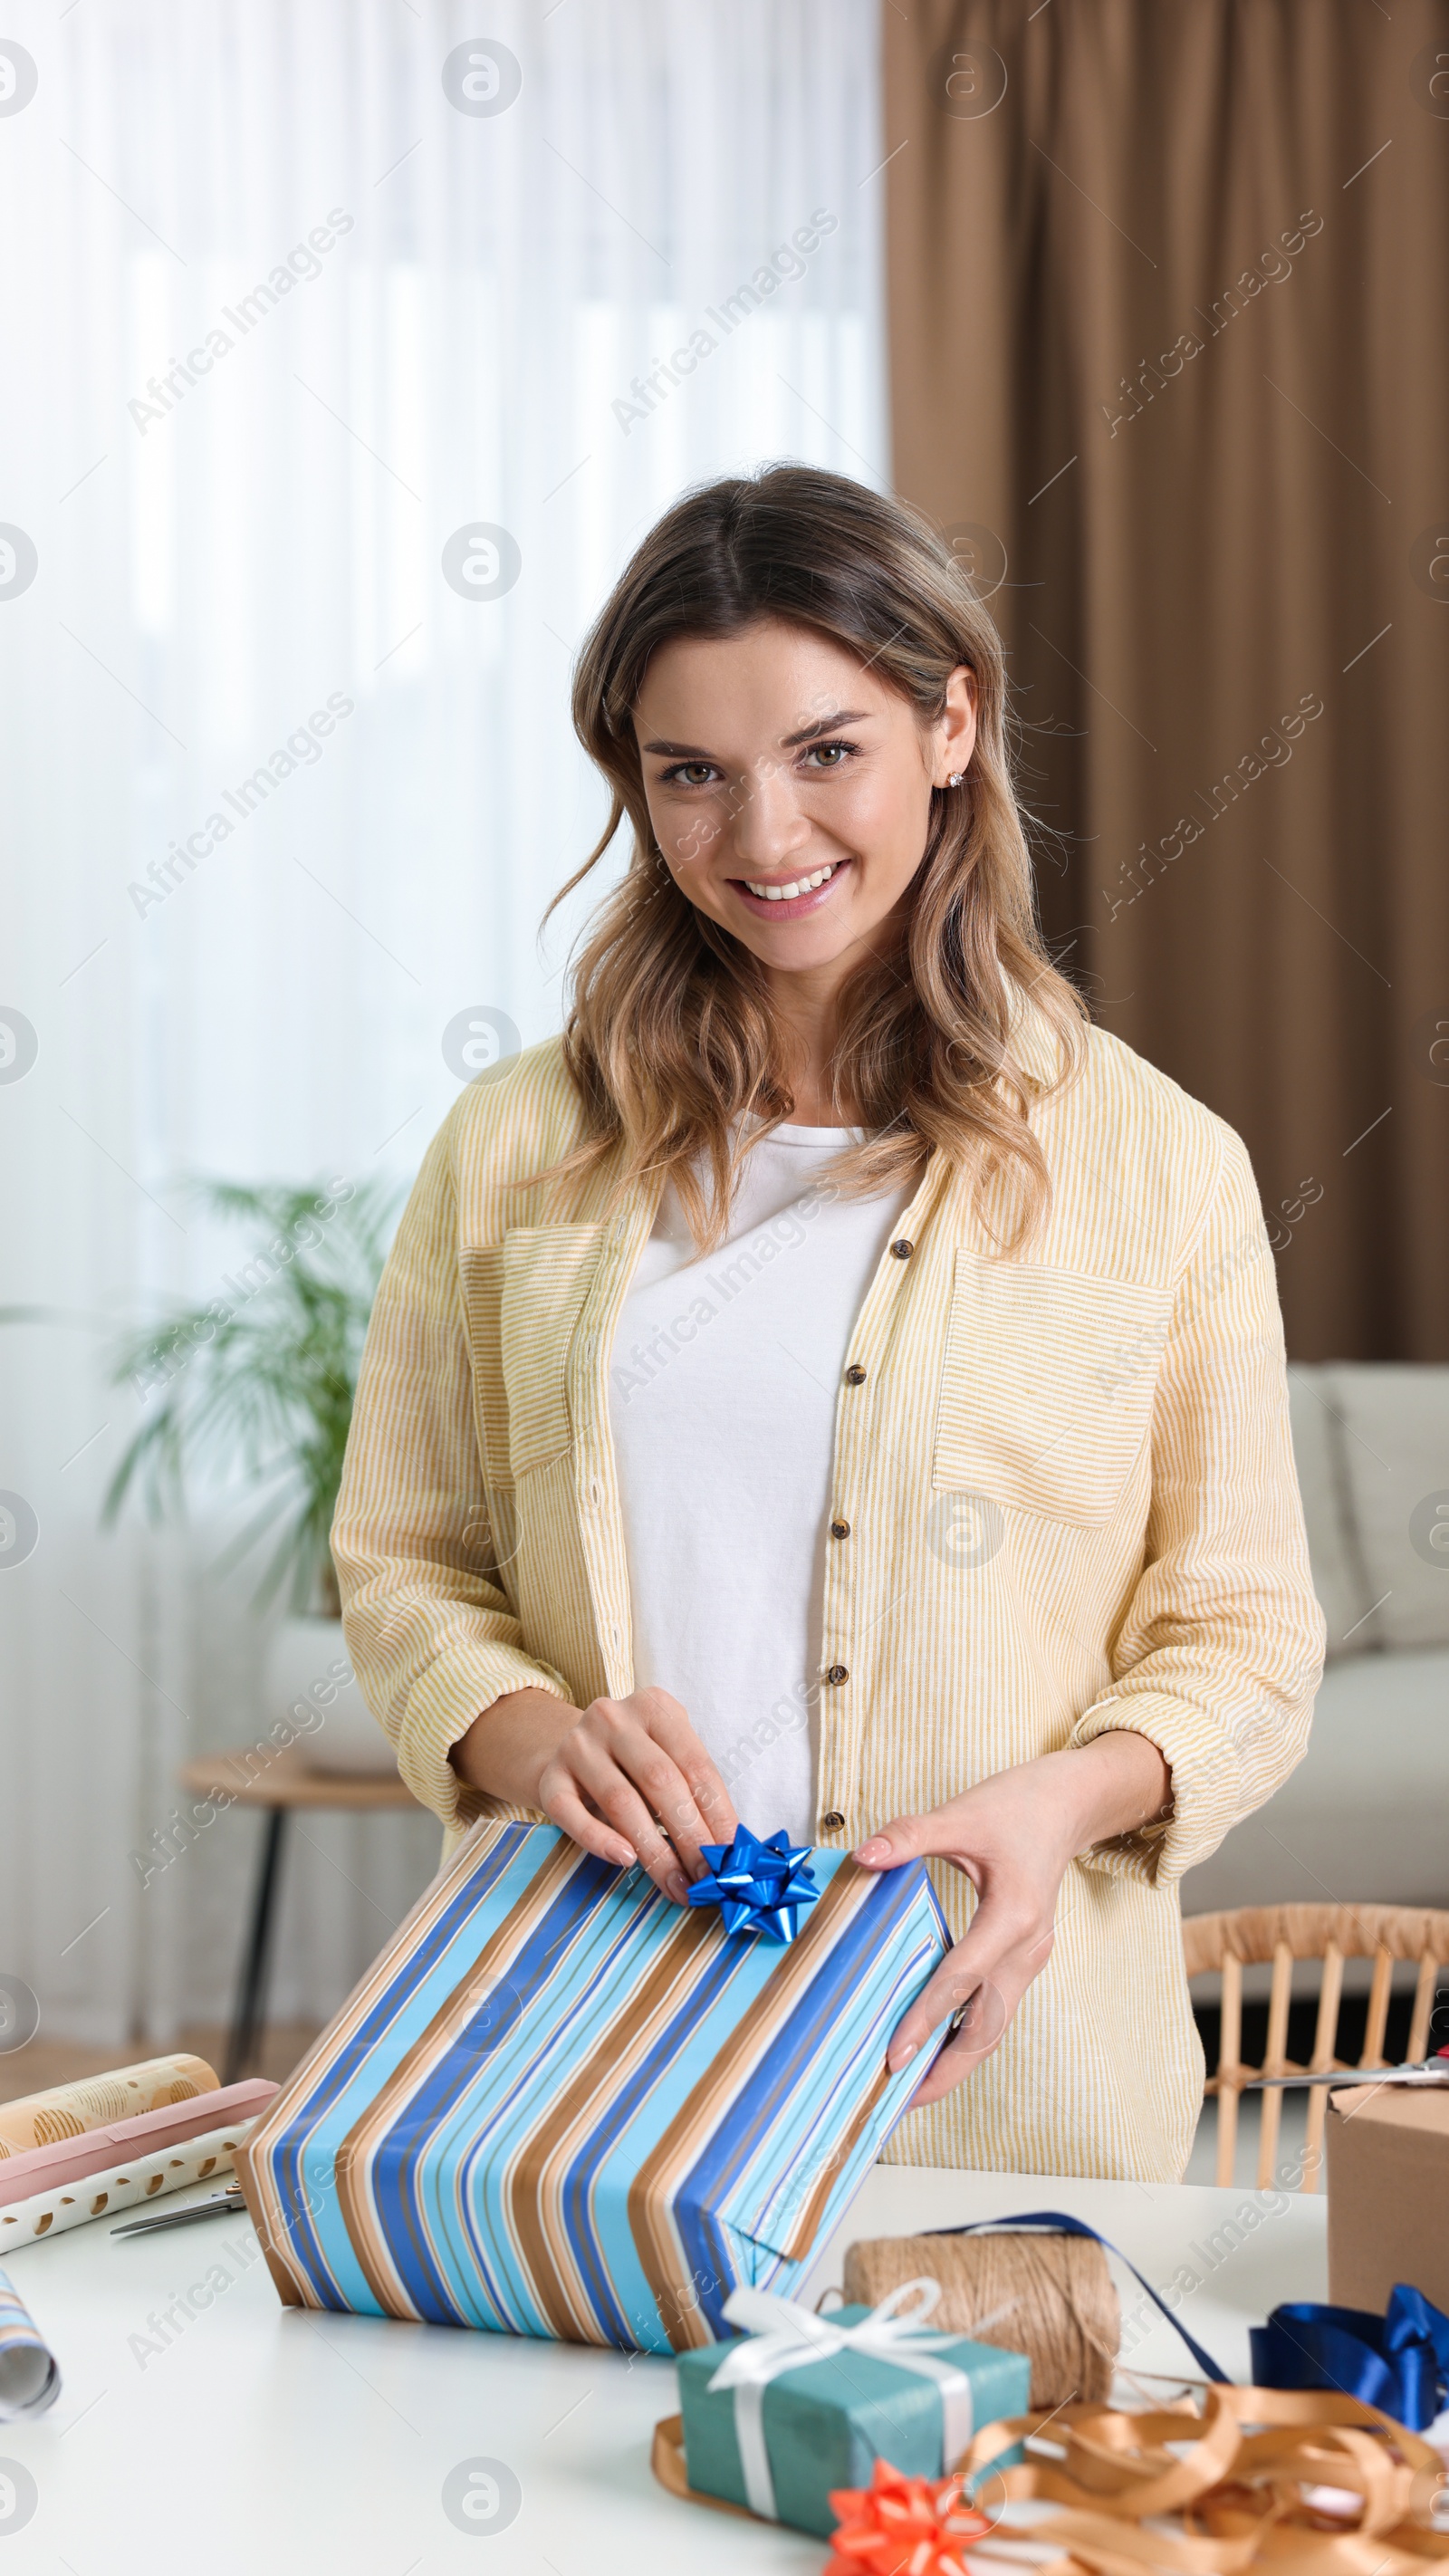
{"points": [[784, 2337]]}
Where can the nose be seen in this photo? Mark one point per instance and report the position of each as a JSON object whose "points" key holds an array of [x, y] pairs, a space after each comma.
{"points": [[768, 829]]}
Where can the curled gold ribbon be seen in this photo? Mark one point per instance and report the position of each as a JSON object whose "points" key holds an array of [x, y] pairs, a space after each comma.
{"points": [[1239, 2484]]}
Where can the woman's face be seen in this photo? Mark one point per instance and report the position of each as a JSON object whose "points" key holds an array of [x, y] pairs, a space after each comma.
{"points": [[790, 787]]}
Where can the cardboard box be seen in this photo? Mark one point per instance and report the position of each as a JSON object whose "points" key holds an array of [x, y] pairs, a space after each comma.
{"points": [[1388, 2195]]}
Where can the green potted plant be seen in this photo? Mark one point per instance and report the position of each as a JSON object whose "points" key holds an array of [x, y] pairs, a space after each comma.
{"points": [[261, 1380]]}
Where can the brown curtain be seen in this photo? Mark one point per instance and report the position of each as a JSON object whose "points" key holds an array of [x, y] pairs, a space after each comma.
{"points": [[1169, 282]]}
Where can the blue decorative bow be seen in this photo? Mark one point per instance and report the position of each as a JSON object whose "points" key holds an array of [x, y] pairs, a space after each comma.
{"points": [[760, 1886], [1398, 2362]]}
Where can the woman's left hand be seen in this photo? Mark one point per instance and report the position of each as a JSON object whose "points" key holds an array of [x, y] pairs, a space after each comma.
{"points": [[1013, 1836]]}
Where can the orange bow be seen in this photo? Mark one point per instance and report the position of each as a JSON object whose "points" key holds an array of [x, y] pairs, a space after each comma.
{"points": [[900, 2526]]}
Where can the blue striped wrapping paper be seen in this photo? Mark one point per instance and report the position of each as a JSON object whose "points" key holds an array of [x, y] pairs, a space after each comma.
{"points": [[559, 2105], [29, 2377]]}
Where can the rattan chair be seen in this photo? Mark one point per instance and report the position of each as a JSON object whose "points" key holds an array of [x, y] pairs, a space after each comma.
{"points": [[1255, 1935]]}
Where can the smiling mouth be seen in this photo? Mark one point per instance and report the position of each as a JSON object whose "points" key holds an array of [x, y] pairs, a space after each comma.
{"points": [[788, 897]]}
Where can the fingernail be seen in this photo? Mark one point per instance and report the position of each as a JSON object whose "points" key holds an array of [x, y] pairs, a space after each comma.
{"points": [[900, 2057], [678, 1886], [877, 1849]]}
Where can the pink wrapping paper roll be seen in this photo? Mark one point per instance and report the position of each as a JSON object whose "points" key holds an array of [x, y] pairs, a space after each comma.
{"points": [[130, 2141], [69, 2110]]}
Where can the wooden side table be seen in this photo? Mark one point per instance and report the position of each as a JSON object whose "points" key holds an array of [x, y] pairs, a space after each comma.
{"points": [[280, 1790]]}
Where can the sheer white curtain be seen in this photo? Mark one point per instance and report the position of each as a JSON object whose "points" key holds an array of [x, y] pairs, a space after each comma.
{"points": [[296, 294]]}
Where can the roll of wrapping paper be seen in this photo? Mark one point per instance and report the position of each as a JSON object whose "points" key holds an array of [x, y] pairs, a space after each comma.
{"points": [[103, 2195], [68, 2110], [151, 2134], [1050, 2297], [29, 2378]]}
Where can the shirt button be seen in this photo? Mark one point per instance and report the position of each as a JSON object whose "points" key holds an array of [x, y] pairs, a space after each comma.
{"points": [[836, 1674], [840, 1529], [903, 1249], [855, 1374], [832, 1821]]}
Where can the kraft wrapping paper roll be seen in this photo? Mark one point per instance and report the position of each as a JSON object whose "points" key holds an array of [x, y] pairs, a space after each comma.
{"points": [[29, 2377], [103, 2195], [151, 2135], [68, 2110]]}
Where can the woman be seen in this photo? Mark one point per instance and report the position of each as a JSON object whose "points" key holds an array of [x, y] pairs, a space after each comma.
{"points": [[835, 1385]]}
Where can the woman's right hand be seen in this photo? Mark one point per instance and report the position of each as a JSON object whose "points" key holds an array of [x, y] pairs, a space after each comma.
{"points": [[627, 1779]]}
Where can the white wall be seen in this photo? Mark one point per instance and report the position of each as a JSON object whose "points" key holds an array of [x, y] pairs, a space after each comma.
{"points": [[204, 581]]}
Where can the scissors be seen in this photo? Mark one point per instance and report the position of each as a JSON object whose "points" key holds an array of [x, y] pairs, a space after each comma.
{"points": [[222, 2204], [1434, 2071]]}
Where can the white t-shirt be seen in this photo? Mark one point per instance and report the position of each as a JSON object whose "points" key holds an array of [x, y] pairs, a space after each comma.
{"points": [[722, 1391]]}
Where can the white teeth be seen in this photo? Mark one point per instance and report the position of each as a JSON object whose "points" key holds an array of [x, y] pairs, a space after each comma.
{"points": [[787, 893]]}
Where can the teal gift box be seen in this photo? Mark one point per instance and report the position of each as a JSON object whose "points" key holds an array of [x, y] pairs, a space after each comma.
{"points": [[775, 2420]]}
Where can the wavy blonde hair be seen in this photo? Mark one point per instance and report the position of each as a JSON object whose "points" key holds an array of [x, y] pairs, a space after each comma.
{"points": [[670, 1039]]}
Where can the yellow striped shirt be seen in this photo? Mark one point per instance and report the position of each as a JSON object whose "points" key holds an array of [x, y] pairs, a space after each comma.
{"points": [[1073, 1508]]}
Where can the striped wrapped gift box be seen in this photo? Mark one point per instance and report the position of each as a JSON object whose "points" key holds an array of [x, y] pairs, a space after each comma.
{"points": [[559, 2105]]}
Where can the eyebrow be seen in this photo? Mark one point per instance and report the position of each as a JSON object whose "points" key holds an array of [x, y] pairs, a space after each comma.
{"points": [[792, 741]]}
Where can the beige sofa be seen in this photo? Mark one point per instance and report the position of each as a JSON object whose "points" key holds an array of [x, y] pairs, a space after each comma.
{"points": [[1366, 1813]]}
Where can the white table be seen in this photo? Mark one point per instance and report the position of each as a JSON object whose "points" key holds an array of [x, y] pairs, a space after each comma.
{"points": [[277, 2440]]}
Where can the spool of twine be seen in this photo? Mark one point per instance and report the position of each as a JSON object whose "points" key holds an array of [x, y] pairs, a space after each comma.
{"points": [[1050, 2297]]}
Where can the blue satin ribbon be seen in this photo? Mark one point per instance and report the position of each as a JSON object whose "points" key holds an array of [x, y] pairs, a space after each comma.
{"points": [[1398, 2362], [759, 1886], [1054, 2222]]}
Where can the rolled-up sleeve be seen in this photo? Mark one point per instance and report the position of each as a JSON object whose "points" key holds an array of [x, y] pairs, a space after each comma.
{"points": [[1220, 1652], [430, 1633]]}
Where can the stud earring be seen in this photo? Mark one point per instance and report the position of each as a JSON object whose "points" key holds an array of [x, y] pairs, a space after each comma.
{"points": [[956, 779]]}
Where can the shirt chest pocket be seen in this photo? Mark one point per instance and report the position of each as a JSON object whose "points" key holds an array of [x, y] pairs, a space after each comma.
{"points": [[1047, 1387], [522, 1299]]}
